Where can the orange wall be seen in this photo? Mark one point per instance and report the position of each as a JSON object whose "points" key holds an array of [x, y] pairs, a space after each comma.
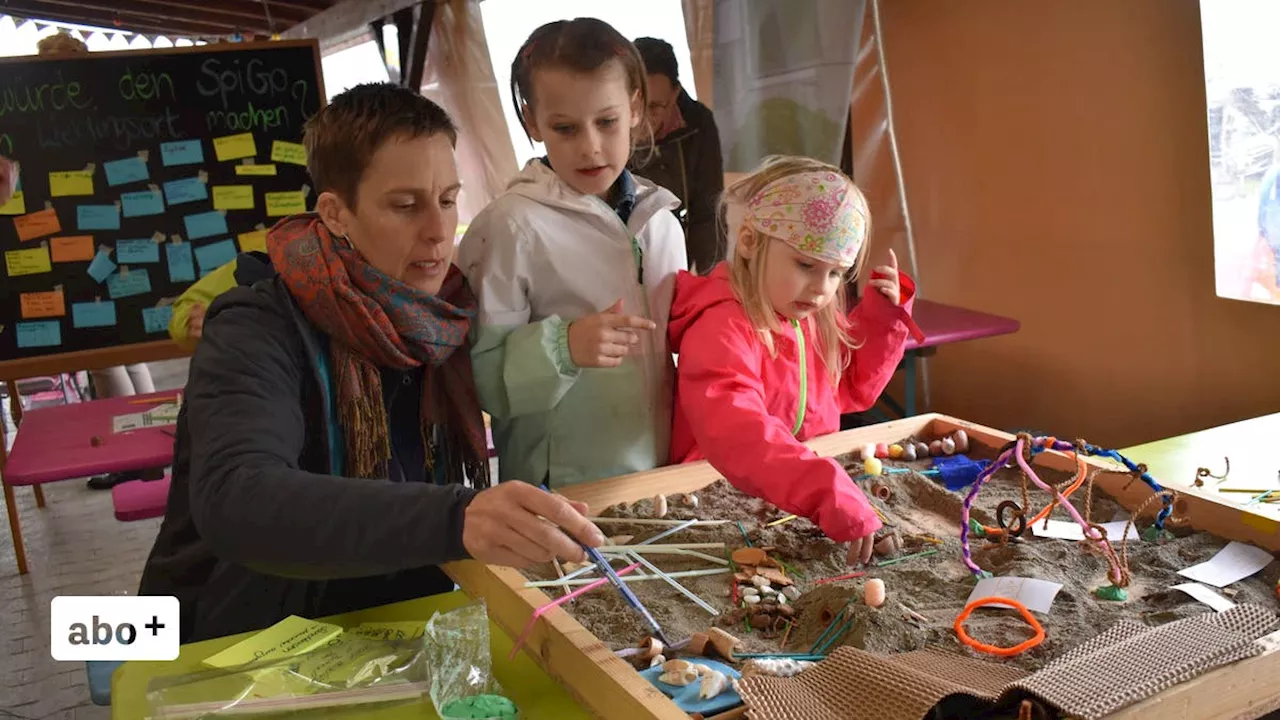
{"points": [[1056, 159]]}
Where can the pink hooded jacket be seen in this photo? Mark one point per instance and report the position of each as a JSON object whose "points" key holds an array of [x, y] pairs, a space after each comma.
{"points": [[736, 406]]}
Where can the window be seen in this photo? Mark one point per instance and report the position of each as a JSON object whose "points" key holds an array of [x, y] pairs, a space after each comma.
{"points": [[508, 23]]}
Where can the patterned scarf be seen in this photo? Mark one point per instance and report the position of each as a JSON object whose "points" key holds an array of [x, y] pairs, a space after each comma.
{"points": [[375, 321]]}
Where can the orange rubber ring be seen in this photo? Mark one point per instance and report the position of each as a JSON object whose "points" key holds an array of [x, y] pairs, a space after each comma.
{"points": [[992, 649]]}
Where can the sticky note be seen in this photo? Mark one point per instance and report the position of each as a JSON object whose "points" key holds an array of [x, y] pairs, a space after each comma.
{"points": [[43, 304], [215, 255], [181, 152], [234, 147], [17, 204], [287, 152], [290, 202], [74, 182], [100, 313], [137, 251], [292, 636], [181, 267], [135, 282], [186, 190], [98, 217], [42, 333], [207, 224], [233, 197], [253, 241], [73, 248], [255, 169], [101, 267], [156, 319], [37, 224], [31, 261], [128, 170], [143, 202]]}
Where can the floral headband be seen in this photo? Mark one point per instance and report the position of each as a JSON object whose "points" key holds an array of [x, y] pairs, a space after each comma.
{"points": [[820, 214]]}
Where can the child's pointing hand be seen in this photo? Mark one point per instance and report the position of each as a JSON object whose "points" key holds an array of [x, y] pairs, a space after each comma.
{"points": [[603, 339], [885, 279]]}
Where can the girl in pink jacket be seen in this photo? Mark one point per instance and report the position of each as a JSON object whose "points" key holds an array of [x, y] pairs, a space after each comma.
{"points": [[768, 358]]}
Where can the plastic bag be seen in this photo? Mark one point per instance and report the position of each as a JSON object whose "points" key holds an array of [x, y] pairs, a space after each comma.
{"points": [[353, 671], [462, 681]]}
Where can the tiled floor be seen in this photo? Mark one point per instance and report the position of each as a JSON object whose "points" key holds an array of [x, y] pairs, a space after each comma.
{"points": [[75, 546]]}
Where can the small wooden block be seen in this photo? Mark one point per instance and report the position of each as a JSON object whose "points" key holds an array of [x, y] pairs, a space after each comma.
{"points": [[744, 576], [775, 576], [749, 556], [621, 539]]}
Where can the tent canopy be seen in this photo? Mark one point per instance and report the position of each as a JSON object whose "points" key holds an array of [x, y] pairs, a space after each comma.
{"points": [[174, 18]]}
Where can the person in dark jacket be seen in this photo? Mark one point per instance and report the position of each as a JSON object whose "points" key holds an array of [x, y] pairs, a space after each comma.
{"points": [[685, 157], [330, 452]]}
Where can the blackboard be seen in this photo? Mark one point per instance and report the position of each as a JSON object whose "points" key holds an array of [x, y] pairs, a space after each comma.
{"points": [[139, 173]]}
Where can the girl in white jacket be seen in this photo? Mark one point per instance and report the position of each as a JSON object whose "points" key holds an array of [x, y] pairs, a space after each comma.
{"points": [[574, 267]]}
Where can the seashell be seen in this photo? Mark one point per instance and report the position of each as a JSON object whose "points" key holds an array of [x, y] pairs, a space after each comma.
{"points": [[659, 506], [922, 450], [676, 666], [873, 592], [713, 684], [791, 592], [962, 441], [782, 599], [656, 661], [681, 679], [935, 448], [760, 581], [690, 500], [948, 446]]}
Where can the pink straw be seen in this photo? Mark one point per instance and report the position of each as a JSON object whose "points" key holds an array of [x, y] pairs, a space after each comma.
{"points": [[524, 634]]}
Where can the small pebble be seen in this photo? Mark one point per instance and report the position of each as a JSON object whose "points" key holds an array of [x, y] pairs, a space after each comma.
{"points": [[873, 592], [750, 592], [922, 450], [760, 581], [868, 451], [935, 448], [782, 599], [909, 452], [659, 506], [948, 446], [751, 599], [895, 451], [872, 466], [768, 591], [791, 592], [962, 441], [882, 450]]}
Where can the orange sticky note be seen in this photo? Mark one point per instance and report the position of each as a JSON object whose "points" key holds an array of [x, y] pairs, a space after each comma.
{"points": [[43, 304], [251, 241], [37, 224], [74, 248]]}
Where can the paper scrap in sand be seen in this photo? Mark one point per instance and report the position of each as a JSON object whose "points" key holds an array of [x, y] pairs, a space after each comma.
{"points": [[234, 147], [17, 205], [1070, 530], [37, 224], [1036, 594], [1234, 562], [1205, 595]]}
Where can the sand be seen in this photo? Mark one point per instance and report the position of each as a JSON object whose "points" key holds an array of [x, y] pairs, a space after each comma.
{"points": [[937, 587]]}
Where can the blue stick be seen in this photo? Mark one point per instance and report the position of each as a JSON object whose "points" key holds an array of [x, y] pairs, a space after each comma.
{"points": [[607, 570]]}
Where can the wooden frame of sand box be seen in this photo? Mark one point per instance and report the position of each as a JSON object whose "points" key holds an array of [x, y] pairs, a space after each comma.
{"points": [[610, 687]]}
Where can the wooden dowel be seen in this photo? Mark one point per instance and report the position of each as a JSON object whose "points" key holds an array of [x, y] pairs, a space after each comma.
{"points": [[652, 521]]}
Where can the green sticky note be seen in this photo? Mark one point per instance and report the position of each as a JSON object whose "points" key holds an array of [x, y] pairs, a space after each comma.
{"points": [[292, 636]]}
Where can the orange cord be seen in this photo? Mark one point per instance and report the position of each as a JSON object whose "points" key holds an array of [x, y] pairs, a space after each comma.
{"points": [[1081, 471], [992, 649]]}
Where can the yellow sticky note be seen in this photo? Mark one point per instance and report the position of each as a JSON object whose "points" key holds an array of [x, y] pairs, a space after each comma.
{"points": [[280, 204], [255, 169], [75, 182], [292, 636], [287, 152], [251, 241], [234, 147], [43, 304], [390, 630], [17, 205], [32, 261], [232, 197]]}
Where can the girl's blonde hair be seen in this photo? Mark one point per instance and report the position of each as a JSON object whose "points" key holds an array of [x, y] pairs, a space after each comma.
{"points": [[747, 274], [61, 43]]}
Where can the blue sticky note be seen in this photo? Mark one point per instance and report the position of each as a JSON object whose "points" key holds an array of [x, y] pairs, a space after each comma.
{"points": [[98, 217], [124, 171], [137, 282], [181, 268], [42, 333], [181, 152], [143, 202], [156, 319], [215, 255], [205, 224], [185, 191], [100, 313], [137, 251], [101, 266]]}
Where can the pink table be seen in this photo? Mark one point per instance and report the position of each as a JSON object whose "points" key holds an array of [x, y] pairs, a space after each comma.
{"points": [[56, 443], [943, 325]]}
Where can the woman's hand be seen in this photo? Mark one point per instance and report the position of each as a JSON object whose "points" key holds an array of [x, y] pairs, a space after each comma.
{"points": [[860, 550], [8, 179], [518, 525], [885, 279], [603, 339], [195, 322]]}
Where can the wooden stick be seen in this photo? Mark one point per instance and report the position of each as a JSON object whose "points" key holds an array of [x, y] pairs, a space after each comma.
{"points": [[669, 532], [652, 521], [659, 548], [341, 698], [780, 521], [668, 579], [704, 556], [642, 578], [560, 574]]}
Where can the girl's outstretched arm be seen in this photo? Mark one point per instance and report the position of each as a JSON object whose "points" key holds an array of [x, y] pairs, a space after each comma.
{"points": [[723, 398], [882, 328]]}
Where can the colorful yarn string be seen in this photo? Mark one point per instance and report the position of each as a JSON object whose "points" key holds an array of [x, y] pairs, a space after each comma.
{"points": [[1141, 472]]}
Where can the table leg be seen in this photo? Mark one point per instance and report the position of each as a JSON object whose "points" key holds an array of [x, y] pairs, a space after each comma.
{"points": [[909, 362], [11, 505], [39, 491]]}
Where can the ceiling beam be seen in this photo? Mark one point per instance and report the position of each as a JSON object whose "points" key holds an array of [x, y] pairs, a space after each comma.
{"points": [[284, 16], [306, 7], [344, 19], [212, 25], [174, 29]]}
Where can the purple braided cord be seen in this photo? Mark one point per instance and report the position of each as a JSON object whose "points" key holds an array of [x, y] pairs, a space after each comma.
{"points": [[983, 477]]}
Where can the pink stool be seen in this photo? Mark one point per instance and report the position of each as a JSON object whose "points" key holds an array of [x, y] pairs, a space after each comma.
{"points": [[140, 499]]}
